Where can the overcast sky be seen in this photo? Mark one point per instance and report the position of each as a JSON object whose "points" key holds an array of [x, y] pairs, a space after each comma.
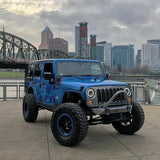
{"points": [[116, 21]]}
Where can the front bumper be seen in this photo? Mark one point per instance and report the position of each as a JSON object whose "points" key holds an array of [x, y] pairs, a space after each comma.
{"points": [[113, 110], [108, 108]]}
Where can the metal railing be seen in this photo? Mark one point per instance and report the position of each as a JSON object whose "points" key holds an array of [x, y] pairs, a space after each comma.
{"points": [[147, 92], [134, 78], [11, 90], [15, 90], [152, 91], [138, 90]]}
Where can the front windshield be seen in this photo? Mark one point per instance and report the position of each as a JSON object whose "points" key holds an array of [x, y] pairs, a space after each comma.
{"points": [[79, 68]]}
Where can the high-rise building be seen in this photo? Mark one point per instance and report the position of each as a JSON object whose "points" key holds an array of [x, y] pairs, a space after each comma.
{"points": [[92, 47], [51, 43], [100, 50], [107, 52], [100, 53], [123, 55], [150, 55], [83, 40], [81, 36], [46, 35], [155, 41], [138, 58]]}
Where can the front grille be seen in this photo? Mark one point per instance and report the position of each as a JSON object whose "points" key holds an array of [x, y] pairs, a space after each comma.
{"points": [[104, 95]]}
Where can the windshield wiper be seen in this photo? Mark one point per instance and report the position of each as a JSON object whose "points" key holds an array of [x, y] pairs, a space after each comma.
{"points": [[78, 77], [96, 77]]}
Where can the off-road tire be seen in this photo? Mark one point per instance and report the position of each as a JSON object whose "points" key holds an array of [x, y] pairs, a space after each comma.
{"points": [[29, 108], [79, 121], [137, 121]]}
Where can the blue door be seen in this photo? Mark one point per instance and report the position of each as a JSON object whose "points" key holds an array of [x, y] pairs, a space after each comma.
{"points": [[47, 87], [37, 81]]}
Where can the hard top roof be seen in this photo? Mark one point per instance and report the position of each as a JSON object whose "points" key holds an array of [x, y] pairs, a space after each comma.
{"points": [[46, 60]]}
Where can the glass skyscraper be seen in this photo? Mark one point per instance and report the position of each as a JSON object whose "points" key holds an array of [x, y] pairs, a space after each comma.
{"points": [[123, 55]]}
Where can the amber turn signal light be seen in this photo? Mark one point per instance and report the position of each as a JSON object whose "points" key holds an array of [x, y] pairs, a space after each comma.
{"points": [[90, 102]]}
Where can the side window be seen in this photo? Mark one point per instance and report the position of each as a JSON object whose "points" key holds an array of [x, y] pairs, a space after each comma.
{"points": [[30, 71], [38, 68], [48, 67]]}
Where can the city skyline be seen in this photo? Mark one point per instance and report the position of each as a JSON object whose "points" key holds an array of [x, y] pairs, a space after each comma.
{"points": [[119, 22]]}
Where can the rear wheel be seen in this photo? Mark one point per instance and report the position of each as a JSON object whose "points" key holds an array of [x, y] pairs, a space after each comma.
{"points": [[69, 124], [132, 122], [29, 108]]}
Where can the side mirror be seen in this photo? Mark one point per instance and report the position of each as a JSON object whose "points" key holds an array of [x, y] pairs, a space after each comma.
{"points": [[108, 76], [58, 80], [48, 76]]}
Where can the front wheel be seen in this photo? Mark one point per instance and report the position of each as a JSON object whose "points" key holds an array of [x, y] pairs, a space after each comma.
{"points": [[132, 122], [69, 124], [29, 108]]}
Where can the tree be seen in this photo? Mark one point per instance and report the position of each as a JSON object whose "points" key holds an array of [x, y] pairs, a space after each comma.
{"points": [[119, 67], [115, 70]]}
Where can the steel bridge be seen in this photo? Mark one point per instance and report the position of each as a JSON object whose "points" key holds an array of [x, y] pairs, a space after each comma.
{"points": [[16, 52], [13, 48]]}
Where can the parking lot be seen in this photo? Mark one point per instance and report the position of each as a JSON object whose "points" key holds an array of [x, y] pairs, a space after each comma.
{"points": [[34, 141]]}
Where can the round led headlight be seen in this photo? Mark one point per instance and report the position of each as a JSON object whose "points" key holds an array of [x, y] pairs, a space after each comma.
{"points": [[128, 91], [90, 93]]}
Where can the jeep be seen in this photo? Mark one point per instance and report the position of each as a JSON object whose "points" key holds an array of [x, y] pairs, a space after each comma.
{"points": [[79, 93]]}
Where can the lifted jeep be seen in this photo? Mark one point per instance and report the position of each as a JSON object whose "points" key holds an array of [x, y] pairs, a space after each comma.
{"points": [[79, 94]]}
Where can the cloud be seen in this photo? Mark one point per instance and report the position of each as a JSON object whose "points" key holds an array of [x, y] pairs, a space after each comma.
{"points": [[30, 7], [116, 21], [26, 27]]}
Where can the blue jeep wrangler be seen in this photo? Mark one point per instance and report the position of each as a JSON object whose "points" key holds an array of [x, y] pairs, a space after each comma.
{"points": [[79, 93]]}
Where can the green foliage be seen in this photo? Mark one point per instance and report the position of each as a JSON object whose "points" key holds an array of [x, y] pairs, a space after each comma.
{"points": [[119, 67], [136, 70], [11, 74]]}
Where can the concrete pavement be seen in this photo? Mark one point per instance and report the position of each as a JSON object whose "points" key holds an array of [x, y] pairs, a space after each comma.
{"points": [[34, 141]]}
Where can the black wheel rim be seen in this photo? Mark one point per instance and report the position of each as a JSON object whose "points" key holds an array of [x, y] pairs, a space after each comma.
{"points": [[65, 125], [127, 119]]}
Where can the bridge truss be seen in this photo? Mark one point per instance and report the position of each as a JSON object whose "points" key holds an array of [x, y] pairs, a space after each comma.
{"points": [[16, 49], [52, 54]]}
